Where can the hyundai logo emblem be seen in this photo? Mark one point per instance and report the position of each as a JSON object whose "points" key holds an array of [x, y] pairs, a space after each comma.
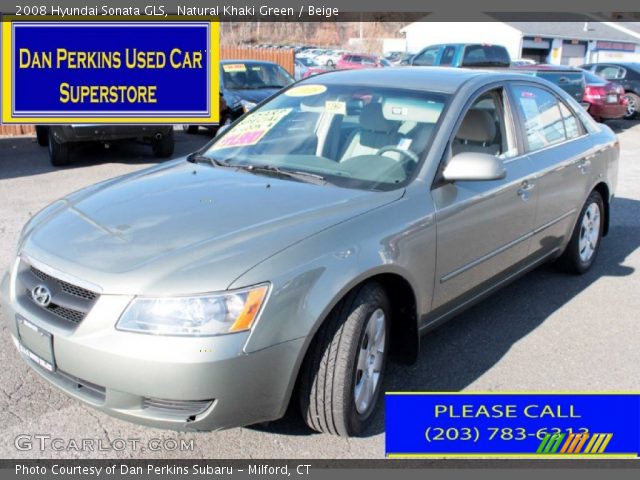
{"points": [[41, 295]]}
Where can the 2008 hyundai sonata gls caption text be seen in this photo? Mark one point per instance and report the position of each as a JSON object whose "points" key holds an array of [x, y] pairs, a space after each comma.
{"points": [[320, 234]]}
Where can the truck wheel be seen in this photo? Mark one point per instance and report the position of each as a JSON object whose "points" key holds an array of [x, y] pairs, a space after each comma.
{"points": [[583, 247], [190, 129], [58, 151], [633, 104], [42, 135], [163, 148], [342, 374]]}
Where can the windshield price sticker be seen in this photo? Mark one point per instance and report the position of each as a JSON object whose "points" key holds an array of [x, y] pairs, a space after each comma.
{"points": [[466, 424], [251, 130], [234, 67], [335, 107], [306, 90]]}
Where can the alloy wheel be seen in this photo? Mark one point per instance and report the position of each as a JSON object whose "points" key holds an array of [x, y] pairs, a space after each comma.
{"points": [[370, 361], [589, 232]]}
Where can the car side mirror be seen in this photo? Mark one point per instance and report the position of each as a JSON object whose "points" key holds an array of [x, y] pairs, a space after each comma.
{"points": [[474, 166], [222, 129]]}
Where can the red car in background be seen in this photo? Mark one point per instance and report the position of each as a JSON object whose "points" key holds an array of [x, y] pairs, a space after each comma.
{"points": [[351, 61], [606, 100]]}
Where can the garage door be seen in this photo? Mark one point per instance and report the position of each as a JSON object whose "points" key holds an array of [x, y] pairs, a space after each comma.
{"points": [[573, 54]]}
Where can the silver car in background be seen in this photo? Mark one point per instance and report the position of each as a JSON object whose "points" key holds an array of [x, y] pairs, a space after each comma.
{"points": [[316, 237]]}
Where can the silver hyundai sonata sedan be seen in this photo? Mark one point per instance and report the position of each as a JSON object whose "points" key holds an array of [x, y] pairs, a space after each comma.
{"points": [[319, 235]]}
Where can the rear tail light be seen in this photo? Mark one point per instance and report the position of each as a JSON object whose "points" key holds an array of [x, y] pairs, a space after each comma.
{"points": [[592, 93]]}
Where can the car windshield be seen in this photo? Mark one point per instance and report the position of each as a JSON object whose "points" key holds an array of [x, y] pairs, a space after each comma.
{"points": [[245, 76], [350, 136]]}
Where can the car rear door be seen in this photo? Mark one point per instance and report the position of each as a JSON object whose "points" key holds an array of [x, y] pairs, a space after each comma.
{"points": [[483, 227], [561, 153]]}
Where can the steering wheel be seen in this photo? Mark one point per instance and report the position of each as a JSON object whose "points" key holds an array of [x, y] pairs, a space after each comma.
{"points": [[406, 153]]}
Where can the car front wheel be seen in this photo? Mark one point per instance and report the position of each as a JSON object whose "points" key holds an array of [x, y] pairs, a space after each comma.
{"points": [[42, 135], [58, 151], [163, 148], [583, 247], [342, 375]]}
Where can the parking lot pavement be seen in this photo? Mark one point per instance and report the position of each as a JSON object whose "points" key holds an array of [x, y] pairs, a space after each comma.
{"points": [[545, 332]]}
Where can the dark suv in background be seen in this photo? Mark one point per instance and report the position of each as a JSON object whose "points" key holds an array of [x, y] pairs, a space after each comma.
{"points": [[625, 74]]}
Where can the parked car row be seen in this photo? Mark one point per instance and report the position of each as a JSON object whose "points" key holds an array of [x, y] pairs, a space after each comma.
{"points": [[605, 90]]}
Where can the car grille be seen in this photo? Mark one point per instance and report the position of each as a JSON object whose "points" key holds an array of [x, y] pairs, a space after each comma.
{"points": [[68, 314], [66, 287], [70, 303]]}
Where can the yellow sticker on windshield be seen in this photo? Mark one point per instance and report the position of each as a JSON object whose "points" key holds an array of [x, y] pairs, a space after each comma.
{"points": [[337, 108], [306, 90], [234, 67], [251, 130]]}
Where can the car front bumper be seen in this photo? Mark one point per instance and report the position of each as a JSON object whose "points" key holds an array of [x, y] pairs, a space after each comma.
{"points": [[179, 383]]}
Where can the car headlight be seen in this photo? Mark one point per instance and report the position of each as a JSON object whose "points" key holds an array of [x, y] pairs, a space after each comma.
{"points": [[246, 106], [198, 315]]}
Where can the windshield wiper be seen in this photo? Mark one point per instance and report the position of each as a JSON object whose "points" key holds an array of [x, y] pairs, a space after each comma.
{"points": [[197, 158], [306, 177]]}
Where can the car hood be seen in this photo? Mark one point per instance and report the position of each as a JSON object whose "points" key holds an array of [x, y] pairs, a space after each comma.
{"points": [[185, 228]]}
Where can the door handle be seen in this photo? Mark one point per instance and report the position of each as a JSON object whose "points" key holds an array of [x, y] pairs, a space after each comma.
{"points": [[525, 188]]}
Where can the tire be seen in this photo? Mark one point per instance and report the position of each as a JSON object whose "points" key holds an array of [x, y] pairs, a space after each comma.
{"points": [[583, 247], [190, 129], [58, 151], [164, 147], [337, 363], [633, 105], [42, 135]]}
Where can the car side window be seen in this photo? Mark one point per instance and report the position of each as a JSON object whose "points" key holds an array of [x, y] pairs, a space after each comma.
{"points": [[427, 57], [544, 124], [571, 123], [368, 61], [447, 56], [355, 59], [610, 72], [485, 128]]}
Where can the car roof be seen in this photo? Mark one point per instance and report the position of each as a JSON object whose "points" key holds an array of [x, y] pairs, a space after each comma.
{"points": [[438, 79]]}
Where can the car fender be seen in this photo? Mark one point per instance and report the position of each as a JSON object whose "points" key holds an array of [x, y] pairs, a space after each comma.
{"points": [[309, 278]]}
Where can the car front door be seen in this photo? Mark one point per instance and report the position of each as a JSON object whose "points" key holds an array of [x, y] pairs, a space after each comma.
{"points": [[561, 154], [483, 227]]}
